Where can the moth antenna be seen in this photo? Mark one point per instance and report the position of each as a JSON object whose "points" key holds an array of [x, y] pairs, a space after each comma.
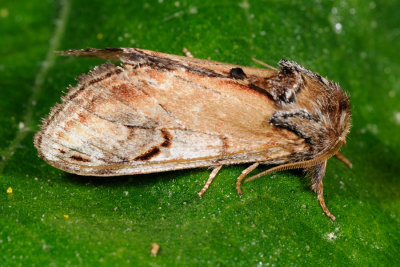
{"points": [[288, 166], [263, 64], [299, 165]]}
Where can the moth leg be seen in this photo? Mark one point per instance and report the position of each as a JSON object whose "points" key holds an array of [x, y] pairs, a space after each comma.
{"points": [[243, 175], [344, 159], [210, 179], [187, 52], [317, 186]]}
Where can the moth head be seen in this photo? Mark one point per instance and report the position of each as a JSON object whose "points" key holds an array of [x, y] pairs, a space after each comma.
{"points": [[326, 104], [338, 113]]}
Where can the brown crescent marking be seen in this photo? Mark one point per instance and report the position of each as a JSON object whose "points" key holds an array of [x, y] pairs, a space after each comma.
{"points": [[167, 138], [154, 151]]}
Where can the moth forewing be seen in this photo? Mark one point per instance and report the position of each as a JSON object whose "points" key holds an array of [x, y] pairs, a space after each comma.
{"points": [[158, 112]]}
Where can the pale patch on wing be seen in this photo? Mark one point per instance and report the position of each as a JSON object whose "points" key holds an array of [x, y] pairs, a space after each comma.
{"points": [[204, 104]]}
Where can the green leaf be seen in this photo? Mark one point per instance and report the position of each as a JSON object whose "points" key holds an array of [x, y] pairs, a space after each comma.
{"points": [[278, 220]]}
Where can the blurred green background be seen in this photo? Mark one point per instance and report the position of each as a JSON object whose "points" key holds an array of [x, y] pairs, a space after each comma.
{"points": [[278, 221]]}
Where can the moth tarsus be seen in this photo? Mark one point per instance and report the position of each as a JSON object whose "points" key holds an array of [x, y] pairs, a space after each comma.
{"points": [[213, 173], [243, 175], [159, 112], [343, 159]]}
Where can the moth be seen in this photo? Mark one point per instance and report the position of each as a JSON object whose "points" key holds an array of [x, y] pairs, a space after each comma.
{"points": [[158, 112]]}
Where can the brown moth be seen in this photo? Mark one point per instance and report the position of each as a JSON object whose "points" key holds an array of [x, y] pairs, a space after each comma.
{"points": [[159, 112]]}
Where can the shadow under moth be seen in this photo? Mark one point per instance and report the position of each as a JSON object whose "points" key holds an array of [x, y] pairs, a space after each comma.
{"points": [[159, 112]]}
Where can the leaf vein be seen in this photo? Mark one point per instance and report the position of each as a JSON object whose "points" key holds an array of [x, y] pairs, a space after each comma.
{"points": [[54, 43]]}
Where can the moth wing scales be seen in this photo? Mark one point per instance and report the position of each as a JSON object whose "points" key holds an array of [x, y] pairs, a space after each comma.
{"points": [[144, 88]]}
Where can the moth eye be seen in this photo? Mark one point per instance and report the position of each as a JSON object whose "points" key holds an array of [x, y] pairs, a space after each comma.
{"points": [[286, 70], [237, 73]]}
